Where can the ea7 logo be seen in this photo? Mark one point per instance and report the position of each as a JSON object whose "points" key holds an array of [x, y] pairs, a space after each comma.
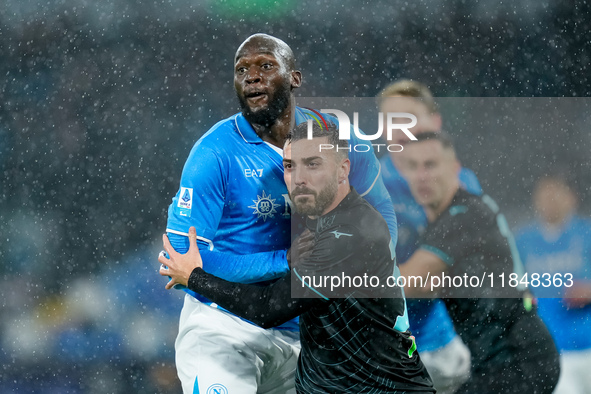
{"points": [[256, 173]]}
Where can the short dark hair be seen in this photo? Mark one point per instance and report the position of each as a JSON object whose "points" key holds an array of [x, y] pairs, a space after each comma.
{"points": [[328, 129], [440, 136]]}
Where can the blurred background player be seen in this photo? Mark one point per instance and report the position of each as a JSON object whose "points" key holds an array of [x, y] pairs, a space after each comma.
{"points": [[559, 242], [447, 359], [232, 191], [467, 236]]}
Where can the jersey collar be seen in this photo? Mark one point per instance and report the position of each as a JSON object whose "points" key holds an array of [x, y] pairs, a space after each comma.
{"points": [[246, 131], [389, 169], [349, 200], [300, 116]]}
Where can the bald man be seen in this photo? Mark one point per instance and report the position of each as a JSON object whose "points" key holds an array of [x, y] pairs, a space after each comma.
{"points": [[232, 191]]}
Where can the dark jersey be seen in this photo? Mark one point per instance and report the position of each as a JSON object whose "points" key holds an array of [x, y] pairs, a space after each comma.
{"points": [[354, 338], [473, 238]]}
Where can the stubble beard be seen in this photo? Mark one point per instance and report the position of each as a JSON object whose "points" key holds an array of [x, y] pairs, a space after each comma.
{"points": [[321, 200]]}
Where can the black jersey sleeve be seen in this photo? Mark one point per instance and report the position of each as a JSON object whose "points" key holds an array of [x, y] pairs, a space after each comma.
{"points": [[456, 233], [266, 306]]}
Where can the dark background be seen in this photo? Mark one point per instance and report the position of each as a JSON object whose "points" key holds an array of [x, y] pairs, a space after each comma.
{"points": [[101, 103]]}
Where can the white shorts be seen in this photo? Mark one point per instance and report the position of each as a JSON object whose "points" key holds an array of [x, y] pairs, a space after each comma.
{"points": [[219, 353], [575, 372], [448, 366]]}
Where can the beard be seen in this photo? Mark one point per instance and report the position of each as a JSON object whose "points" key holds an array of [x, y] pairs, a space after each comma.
{"points": [[267, 116], [314, 206]]}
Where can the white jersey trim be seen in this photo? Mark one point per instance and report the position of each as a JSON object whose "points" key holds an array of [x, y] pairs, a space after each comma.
{"points": [[209, 242], [275, 148], [374, 181], [240, 131]]}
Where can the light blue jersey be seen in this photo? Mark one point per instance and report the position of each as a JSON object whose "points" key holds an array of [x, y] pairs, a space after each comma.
{"points": [[429, 320], [232, 190], [567, 251]]}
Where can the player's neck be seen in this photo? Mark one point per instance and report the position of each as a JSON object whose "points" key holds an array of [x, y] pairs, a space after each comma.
{"points": [[278, 131], [558, 223], [433, 211], [342, 192]]}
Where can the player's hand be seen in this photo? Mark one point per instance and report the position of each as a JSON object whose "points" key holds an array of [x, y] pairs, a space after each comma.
{"points": [[301, 248], [578, 296], [179, 266]]}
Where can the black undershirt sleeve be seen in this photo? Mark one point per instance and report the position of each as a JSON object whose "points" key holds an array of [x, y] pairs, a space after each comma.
{"points": [[266, 306], [451, 238]]}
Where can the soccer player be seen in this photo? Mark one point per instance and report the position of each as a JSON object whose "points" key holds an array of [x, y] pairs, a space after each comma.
{"points": [[232, 191], [444, 354], [467, 236], [352, 342], [559, 243]]}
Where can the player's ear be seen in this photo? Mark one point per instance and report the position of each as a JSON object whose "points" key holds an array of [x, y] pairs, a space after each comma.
{"points": [[296, 79], [457, 166], [344, 170], [436, 118]]}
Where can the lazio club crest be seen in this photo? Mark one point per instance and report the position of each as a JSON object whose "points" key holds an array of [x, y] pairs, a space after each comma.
{"points": [[264, 206]]}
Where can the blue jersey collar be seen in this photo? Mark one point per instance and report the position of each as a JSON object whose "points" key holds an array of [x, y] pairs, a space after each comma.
{"points": [[389, 169], [300, 116], [246, 131]]}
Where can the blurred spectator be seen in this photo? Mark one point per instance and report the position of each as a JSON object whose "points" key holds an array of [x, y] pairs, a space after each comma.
{"points": [[559, 242], [111, 333]]}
